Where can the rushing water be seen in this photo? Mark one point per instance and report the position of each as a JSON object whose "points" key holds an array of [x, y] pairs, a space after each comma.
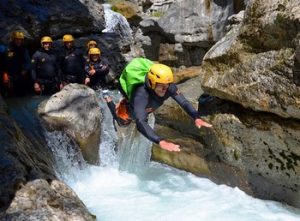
{"points": [[149, 191]]}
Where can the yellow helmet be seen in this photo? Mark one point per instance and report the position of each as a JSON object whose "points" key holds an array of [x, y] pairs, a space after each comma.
{"points": [[160, 73], [91, 42], [94, 51], [68, 38], [46, 39], [16, 35]]}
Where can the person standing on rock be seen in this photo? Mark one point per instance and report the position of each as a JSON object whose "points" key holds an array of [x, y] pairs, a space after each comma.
{"points": [[16, 66], [89, 45], [45, 69], [96, 70], [71, 62], [146, 86]]}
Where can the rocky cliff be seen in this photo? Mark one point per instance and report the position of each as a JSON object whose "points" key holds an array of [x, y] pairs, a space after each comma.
{"points": [[254, 143]]}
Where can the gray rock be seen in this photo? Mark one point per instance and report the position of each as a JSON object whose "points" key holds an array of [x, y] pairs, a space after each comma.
{"points": [[253, 64], [196, 21], [38, 18], [257, 152], [75, 110], [40, 200], [22, 158]]}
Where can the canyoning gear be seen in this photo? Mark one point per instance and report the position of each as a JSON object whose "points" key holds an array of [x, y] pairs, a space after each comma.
{"points": [[160, 73], [16, 63], [68, 38], [45, 72], [72, 65], [122, 111], [134, 74], [90, 43], [94, 51], [44, 65], [144, 101], [97, 71], [169, 146], [16, 35], [46, 39], [200, 123]]}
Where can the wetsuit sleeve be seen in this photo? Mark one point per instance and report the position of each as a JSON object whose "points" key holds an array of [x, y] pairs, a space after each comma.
{"points": [[140, 101], [182, 101], [34, 61]]}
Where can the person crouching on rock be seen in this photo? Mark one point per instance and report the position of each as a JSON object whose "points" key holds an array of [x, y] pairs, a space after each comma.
{"points": [[45, 69]]}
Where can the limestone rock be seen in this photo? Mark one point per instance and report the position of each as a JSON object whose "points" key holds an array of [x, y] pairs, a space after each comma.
{"points": [[38, 18], [253, 64], [21, 158], [75, 109], [40, 200], [265, 148]]}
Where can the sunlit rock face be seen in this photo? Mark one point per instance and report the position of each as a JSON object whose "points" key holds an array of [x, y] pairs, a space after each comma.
{"points": [[258, 152], [253, 65], [181, 32], [75, 110], [54, 18], [42, 200]]}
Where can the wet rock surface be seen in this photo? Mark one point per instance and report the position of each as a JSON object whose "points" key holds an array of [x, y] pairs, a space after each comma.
{"points": [[75, 110]]}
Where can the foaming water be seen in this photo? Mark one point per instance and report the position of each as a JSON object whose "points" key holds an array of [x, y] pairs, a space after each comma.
{"points": [[148, 191]]}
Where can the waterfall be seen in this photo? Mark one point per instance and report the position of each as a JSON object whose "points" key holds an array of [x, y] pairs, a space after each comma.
{"points": [[117, 23], [128, 186], [134, 148]]}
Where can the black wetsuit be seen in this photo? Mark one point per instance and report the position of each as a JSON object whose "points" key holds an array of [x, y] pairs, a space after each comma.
{"points": [[16, 60], [99, 78], [45, 70], [72, 65], [144, 101]]}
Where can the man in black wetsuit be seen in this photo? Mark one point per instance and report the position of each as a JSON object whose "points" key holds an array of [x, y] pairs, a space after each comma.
{"points": [[71, 62], [147, 97], [16, 66], [45, 69]]}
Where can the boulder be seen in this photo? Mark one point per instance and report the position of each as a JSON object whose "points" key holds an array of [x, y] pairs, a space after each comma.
{"points": [[253, 64], [258, 152], [42, 200], [181, 32], [22, 159], [55, 18], [75, 110]]}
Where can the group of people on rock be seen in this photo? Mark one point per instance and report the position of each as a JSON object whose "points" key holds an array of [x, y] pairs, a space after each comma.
{"points": [[47, 71]]}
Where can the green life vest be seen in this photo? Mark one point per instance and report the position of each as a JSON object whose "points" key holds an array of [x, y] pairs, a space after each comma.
{"points": [[134, 74]]}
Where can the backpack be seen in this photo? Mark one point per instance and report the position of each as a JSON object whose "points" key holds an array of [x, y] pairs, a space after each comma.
{"points": [[134, 74]]}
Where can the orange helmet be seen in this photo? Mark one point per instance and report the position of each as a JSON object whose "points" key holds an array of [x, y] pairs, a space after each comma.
{"points": [[160, 73]]}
